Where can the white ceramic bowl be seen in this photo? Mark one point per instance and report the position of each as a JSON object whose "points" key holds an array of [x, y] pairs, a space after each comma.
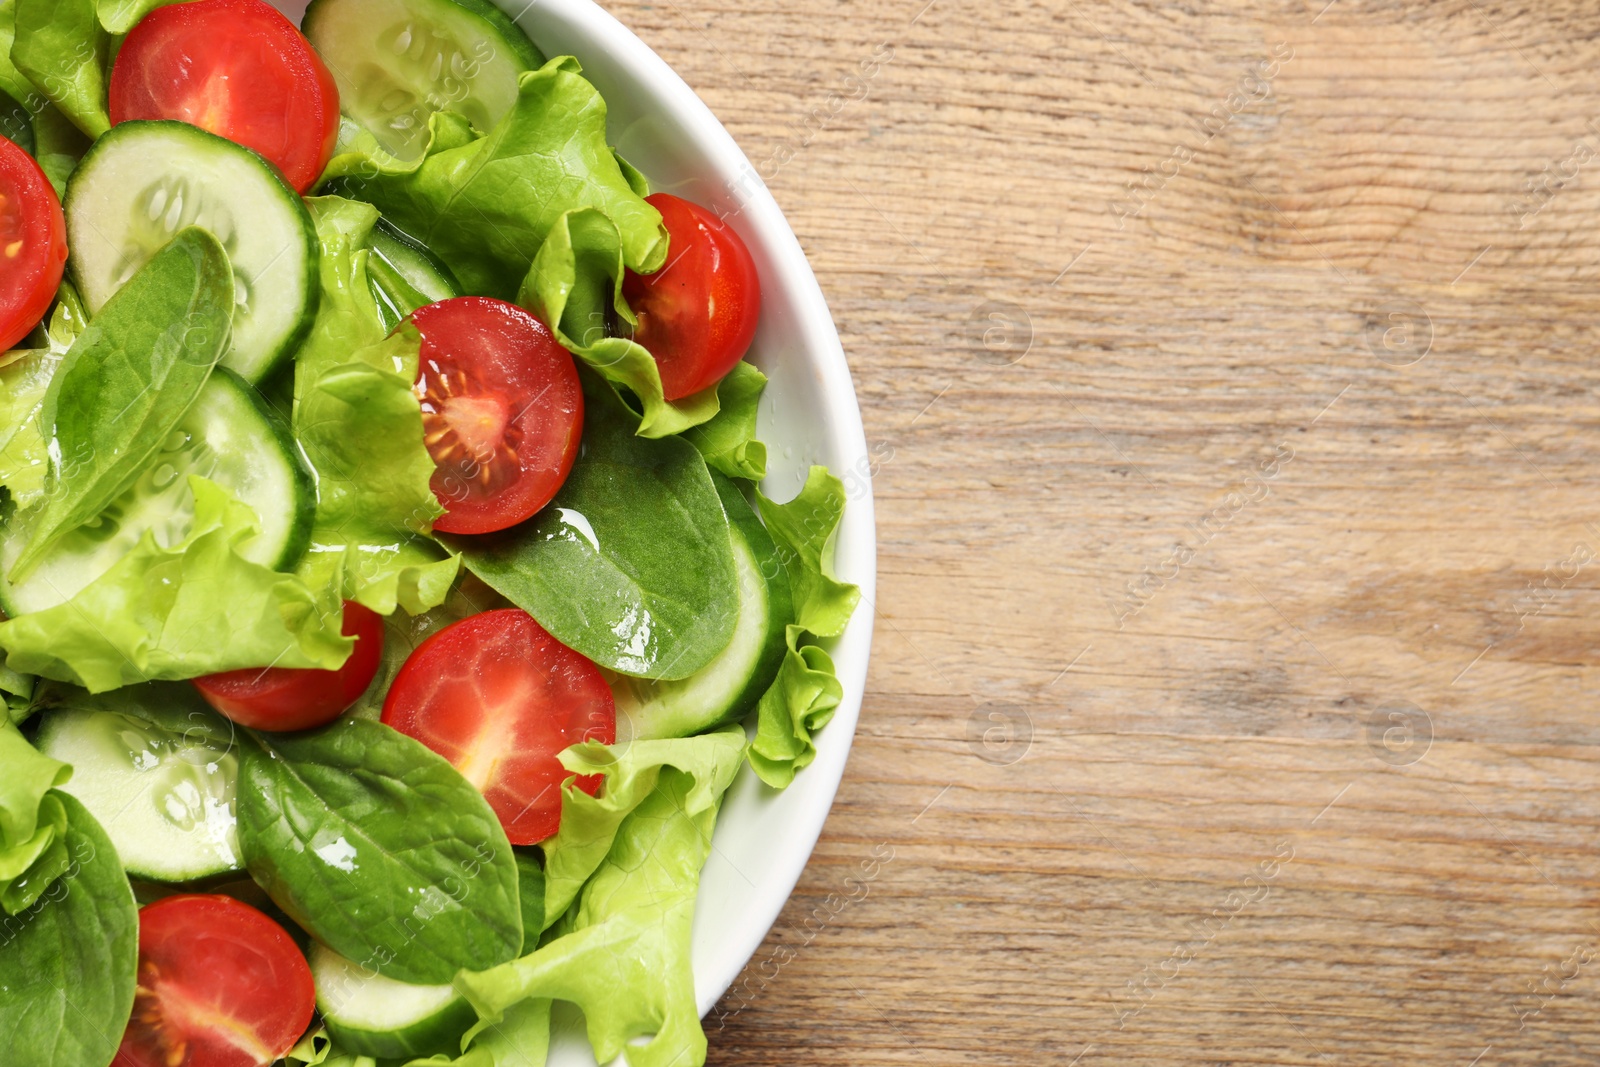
{"points": [[809, 415]]}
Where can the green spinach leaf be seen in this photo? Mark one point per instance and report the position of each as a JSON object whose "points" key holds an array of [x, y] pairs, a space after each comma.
{"points": [[530, 891], [632, 563], [68, 964], [128, 380], [62, 49], [381, 850]]}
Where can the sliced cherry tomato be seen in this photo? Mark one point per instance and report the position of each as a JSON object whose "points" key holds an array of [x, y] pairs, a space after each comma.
{"points": [[284, 698], [220, 985], [239, 69], [500, 698], [502, 412], [33, 244], [697, 315]]}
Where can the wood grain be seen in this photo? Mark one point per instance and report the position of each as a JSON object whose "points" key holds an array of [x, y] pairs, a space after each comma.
{"points": [[1320, 783]]}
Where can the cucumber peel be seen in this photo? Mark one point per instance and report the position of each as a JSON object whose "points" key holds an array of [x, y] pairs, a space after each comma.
{"points": [[370, 1015]]}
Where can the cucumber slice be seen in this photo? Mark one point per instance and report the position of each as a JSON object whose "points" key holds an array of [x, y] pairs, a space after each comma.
{"points": [[159, 770], [730, 685], [370, 1015], [228, 436], [396, 62], [144, 181], [404, 275]]}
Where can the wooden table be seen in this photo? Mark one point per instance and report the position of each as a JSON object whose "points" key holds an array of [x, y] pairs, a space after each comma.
{"points": [[1234, 373]]}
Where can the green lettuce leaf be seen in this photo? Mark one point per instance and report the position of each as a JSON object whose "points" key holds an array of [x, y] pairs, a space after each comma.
{"points": [[172, 613], [25, 378], [484, 205], [622, 954], [589, 824], [347, 1059], [47, 134], [360, 425], [632, 175], [63, 51], [16, 693], [59, 330], [33, 824], [312, 1049], [801, 701], [13, 82], [728, 442], [24, 455], [575, 284], [31, 120], [120, 16], [34, 866], [807, 691], [362, 430], [68, 319], [521, 1038], [804, 529], [347, 315]]}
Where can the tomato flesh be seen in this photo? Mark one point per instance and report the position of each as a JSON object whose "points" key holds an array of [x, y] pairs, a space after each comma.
{"points": [[239, 69], [698, 314], [502, 412], [33, 244], [500, 699], [220, 985], [283, 699]]}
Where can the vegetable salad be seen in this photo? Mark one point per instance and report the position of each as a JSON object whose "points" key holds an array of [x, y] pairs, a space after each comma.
{"points": [[387, 599]]}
